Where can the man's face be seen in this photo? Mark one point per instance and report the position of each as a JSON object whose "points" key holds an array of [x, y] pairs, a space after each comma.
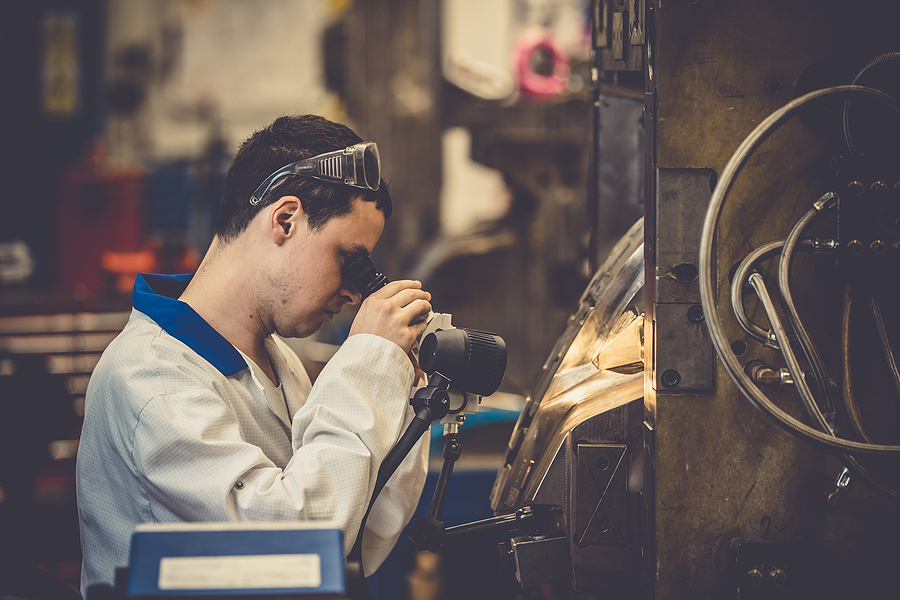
{"points": [[311, 288]]}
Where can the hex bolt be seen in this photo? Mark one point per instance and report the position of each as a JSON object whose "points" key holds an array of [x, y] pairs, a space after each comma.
{"points": [[855, 247], [671, 378], [878, 247], [755, 577], [777, 577], [856, 188], [695, 314]]}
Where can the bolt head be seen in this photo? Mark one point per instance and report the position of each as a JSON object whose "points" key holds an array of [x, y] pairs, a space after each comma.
{"points": [[671, 378], [754, 577], [695, 314], [855, 247], [856, 188]]}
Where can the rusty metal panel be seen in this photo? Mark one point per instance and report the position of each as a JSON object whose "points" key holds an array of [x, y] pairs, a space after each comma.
{"points": [[736, 496]]}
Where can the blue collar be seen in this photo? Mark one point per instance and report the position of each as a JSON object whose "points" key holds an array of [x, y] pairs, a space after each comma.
{"points": [[156, 296]]}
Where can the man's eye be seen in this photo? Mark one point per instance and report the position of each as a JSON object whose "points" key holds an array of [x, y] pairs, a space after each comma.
{"points": [[349, 257]]}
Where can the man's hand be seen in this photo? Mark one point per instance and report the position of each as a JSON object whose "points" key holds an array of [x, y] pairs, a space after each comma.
{"points": [[390, 311]]}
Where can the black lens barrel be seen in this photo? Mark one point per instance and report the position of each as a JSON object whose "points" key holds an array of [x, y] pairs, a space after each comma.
{"points": [[474, 361]]}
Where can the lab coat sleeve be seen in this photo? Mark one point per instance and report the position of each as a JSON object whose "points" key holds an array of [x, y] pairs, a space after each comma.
{"points": [[396, 504], [359, 407]]}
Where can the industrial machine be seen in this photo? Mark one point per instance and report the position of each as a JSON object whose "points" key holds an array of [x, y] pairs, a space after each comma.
{"points": [[721, 417]]}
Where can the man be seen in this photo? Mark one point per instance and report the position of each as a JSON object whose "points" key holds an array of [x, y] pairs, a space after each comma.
{"points": [[198, 412]]}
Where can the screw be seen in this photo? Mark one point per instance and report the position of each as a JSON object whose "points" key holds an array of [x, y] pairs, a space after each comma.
{"points": [[878, 187], [777, 577], [695, 314], [878, 247], [855, 247], [856, 188], [602, 463], [671, 378], [601, 527]]}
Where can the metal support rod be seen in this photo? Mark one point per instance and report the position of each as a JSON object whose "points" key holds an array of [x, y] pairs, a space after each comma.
{"points": [[452, 450]]}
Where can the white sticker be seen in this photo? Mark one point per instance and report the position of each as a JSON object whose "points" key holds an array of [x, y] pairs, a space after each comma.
{"points": [[266, 571]]}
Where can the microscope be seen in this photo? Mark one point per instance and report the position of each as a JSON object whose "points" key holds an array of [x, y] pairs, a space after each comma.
{"points": [[461, 365]]}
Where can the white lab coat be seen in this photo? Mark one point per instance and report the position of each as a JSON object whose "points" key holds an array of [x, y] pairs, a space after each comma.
{"points": [[184, 427]]}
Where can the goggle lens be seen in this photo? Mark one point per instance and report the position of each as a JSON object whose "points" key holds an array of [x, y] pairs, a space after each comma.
{"points": [[371, 167]]}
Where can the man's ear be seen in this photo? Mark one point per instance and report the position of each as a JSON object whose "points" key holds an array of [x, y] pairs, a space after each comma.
{"points": [[285, 216]]}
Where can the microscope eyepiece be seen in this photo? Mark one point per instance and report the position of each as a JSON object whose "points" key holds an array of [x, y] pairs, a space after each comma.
{"points": [[363, 273]]}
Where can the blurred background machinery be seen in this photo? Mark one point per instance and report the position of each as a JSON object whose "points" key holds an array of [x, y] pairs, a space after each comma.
{"points": [[758, 459], [126, 114]]}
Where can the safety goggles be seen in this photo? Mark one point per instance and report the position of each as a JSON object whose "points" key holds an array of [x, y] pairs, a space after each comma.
{"points": [[357, 166]]}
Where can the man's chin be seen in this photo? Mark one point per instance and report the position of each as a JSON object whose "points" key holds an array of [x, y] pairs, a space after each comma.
{"points": [[302, 331]]}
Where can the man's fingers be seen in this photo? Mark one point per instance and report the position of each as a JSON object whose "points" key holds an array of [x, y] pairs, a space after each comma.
{"points": [[392, 312], [395, 287], [413, 310], [410, 295], [399, 302]]}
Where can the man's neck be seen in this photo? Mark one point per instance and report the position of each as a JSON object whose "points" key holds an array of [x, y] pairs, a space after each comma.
{"points": [[222, 293]]}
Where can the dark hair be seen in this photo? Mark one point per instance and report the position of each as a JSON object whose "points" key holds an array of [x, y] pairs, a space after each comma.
{"points": [[288, 139]]}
